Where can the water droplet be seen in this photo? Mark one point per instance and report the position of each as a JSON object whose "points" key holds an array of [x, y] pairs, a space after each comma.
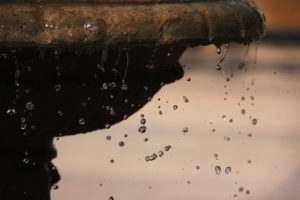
{"points": [[167, 148], [142, 115], [29, 105], [242, 98], [224, 117], [160, 153], [185, 130], [227, 170], [108, 137], [218, 67], [235, 196], [185, 99], [218, 169], [241, 189], [107, 126], [254, 121], [142, 129], [112, 161], [124, 87], [81, 121], [231, 120], [111, 198], [121, 144], [247, 192], [143, 121], [241, 66], [175, 107], [57, 87], [243, 111], [55, 187], [252, 98], [26, 160], [188, 79], [11, 111], [60, 113], [219, 50], [23, 125], [197, 167]]}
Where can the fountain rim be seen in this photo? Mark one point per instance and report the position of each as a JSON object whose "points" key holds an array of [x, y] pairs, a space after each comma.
{"points": [[101, 24]]}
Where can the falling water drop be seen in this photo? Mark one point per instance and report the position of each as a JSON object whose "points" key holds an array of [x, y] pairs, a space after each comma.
{"points": [[227, 170], [243, 111], [108, 137], [81, 121], [55, 187], [11, 111], [185, 130], [160, 153], [254, 121], [218, 169], [185, 99], [121, 144], [142, 129], [29, 106], [143, 121], [167, 148]]}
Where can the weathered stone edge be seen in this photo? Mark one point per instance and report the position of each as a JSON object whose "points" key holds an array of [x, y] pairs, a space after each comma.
{"points": [[105, 25]]}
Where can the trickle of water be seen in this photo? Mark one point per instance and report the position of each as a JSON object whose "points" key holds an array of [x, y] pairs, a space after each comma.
{"points": [[254, 121], [218, 169], [227, 170], [29, 106], [142, 129], [11, 111], [81, 121]]}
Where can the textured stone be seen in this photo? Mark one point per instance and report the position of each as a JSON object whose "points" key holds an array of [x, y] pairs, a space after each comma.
{"points": [[128, 22]]}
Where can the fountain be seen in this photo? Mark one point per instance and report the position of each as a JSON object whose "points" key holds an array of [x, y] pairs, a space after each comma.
{"points": [[75, 66]]}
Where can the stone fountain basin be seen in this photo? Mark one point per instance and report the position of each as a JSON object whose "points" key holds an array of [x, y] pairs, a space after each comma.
{"points": [[107, 23]]}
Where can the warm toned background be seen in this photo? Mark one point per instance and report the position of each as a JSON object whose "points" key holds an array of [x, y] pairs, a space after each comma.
{"points": [[281, 14]]}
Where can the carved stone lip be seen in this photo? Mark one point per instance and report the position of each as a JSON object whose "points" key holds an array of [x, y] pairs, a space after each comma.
{"points": [[108, 23]]}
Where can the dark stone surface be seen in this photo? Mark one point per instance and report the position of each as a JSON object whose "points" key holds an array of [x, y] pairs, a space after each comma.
{"points": [[101, 24]]}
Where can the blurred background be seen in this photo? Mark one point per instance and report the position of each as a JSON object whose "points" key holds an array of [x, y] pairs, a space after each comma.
{"points": [[244, 121]]}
